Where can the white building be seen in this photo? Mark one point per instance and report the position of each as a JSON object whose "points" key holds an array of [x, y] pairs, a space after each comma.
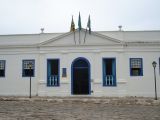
{"points": [[108, 63]]}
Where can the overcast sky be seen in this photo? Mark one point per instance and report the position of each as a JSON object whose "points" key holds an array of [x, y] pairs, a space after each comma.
{"points": [[28, 16]]}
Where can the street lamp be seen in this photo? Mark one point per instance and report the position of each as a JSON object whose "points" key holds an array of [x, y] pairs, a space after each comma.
{"points": [[30, 67], [154, 66]]}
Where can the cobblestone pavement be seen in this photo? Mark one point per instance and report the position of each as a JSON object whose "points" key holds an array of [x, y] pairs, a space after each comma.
{"points": [[75, 110]]}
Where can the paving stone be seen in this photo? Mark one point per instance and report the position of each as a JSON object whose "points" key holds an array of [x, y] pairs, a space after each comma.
{"points": [[39, 108]]}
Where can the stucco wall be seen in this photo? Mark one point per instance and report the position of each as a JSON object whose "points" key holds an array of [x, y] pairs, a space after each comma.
{"points": [[13, 83], [126, 85]]}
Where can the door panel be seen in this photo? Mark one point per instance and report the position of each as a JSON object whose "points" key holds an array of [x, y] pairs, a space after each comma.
{"points": [[80, 76], [80, 81]]}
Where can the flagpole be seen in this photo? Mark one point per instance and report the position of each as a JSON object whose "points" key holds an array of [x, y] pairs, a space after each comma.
{"points": [[79, 38], [79, 26], [85, 35], [74, 38]]}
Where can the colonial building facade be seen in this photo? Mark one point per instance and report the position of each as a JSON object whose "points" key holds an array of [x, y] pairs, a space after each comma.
{"points": [[106, 63]]}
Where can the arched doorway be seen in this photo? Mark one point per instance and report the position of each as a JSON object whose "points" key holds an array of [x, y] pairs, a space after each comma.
{"points": [[80, 76]]}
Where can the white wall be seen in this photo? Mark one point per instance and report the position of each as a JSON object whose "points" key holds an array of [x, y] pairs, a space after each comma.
{"points": [[126, 85], [144, 85], [13, 83]]}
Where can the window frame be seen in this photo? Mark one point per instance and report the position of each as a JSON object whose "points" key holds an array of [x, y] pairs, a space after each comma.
{"points": [[141, 69], [58, 72], [23, 67], [103, 72], [4, 69]]}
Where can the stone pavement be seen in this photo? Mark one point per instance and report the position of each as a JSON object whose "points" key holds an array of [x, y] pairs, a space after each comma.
{"points": [[79, 108]]}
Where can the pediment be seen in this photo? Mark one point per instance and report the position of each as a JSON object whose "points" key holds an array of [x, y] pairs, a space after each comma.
{"points": [[80, 38]]}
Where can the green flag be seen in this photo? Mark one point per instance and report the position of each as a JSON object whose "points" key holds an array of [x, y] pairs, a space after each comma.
{"points": [[89, 24], [79, 22]]}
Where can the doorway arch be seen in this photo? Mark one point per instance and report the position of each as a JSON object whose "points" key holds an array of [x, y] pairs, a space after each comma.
{"points": [[80, 77]]}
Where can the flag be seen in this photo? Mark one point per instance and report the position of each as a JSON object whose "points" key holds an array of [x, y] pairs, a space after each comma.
{"points": [[72, 29], [89, 24], [79, 22]]}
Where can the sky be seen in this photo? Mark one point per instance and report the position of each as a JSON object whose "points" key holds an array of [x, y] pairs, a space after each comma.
{"points": [[29, 16]]}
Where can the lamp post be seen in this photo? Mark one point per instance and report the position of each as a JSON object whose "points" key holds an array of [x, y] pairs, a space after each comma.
{"points": [[30, 67], [154, 66]]}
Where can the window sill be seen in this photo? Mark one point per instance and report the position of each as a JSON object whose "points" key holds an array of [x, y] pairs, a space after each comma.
{"points": [[53, 85], [136, 75], [109, 85]]}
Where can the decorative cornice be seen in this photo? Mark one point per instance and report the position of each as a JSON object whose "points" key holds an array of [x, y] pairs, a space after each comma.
{"points": [[116, 43], [19, 46], [142, 43], [69, 33]]}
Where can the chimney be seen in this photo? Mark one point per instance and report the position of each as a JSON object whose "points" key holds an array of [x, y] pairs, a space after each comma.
{"points": [[120, 27], [42, 30]]}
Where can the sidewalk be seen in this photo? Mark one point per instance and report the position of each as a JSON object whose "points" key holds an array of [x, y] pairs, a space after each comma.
{"points": [[83, 99], [79, 108]]}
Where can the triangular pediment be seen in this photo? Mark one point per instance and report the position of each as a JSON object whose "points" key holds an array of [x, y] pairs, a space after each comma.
{"points": [[80, 38]]}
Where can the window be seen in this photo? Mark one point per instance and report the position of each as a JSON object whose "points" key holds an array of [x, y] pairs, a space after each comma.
{"points": [[53, 72], [136, 67], [109, 72], [26, 69], [2, 68]]}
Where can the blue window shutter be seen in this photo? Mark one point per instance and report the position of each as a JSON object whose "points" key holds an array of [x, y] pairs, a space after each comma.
{"points": [[130, 67], [104, 71], [159, 65], [114, 70], [141, 67], [48, 71]]}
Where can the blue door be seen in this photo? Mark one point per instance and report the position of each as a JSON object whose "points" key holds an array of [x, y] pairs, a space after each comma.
{"points": [[80, 76]]}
